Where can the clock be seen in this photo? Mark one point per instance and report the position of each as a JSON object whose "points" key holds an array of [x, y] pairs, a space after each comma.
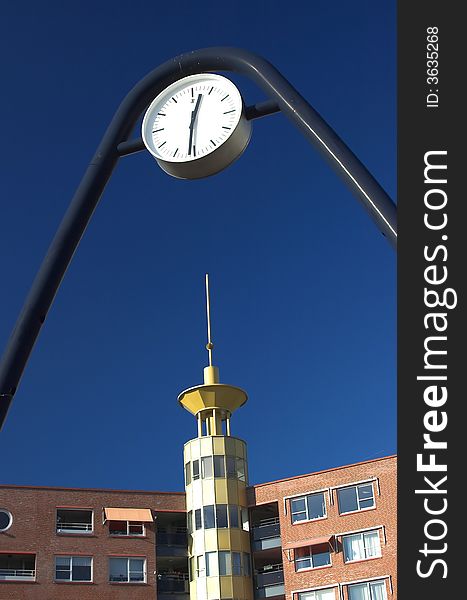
{"points": [[197, 126]]}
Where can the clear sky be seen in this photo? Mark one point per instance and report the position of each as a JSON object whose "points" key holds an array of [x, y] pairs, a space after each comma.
{"points": [[302, 283]]}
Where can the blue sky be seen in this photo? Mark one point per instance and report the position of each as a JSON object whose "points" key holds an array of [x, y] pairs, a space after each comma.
{"points": [[303, 284]]}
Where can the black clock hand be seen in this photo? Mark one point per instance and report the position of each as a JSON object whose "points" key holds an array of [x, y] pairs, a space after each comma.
{"points": [[192, 122]]}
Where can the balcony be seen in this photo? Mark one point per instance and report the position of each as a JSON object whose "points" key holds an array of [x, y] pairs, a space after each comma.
{"points": [[266, 534], [17, 567], [172, 542], [173, 583], [74, 521], [269, 581]]}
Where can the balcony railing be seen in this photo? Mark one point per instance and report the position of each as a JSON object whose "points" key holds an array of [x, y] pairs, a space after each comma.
{"points": [[175, 582], [270, 575], [173, 537], [267, 528], [17, 574], [74, 527]]}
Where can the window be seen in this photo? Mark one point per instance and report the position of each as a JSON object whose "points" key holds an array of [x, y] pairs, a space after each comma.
{"points": [[221, 516], [225, 563], [200, 565], [246, 564], [206, 467], [187, 473], [126, 528], [195, 470], [307, 508], [198, 523], [209, 521], [189, 521], [219, 467], [236, 563], [127, 570], [212, 568], [241, 470], [191, 567], [231, 467], [245, 519], [356, 497], [73, 568], [233, 515], [74, 520], [6, 519], [312, 557], [361, 546], [327, 594], [17, 567], [370, 590]]}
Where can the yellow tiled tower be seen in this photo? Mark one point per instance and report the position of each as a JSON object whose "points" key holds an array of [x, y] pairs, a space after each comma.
{"points": [[215, 484]]}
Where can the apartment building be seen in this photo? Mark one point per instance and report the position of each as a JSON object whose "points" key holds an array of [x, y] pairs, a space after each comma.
{"points": [[329, 535], [322, 536]]}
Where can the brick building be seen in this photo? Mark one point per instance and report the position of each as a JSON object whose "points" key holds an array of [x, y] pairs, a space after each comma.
{"points": [[322, 536], [329, 535]]}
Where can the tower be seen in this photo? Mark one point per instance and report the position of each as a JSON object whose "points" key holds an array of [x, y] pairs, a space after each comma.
{"points": [[215, 484]]}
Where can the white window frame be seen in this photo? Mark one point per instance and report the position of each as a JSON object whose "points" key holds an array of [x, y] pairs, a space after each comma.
{"points": [[304, 497], [356, 486], [128, 558], [295, 594], [368, 584], [362, 535], [128, 534], [71, 557], [310, 556], [10, 519]]}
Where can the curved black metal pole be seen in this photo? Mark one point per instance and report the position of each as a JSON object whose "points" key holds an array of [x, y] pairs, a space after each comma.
{"points": [[98, 173]]}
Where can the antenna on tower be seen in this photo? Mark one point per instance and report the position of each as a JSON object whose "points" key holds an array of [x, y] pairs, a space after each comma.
{"points": [[209, 345]]}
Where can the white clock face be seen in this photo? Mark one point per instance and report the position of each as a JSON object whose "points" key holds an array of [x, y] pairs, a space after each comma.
{"points": [[192, 118]]}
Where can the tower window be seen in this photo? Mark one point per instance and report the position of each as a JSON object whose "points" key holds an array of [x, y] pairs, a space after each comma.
{"points": [[195, 469], [219, 467], [233, 515], [206, 467], [198, 522], [221, 516], [225, 563], [187, 473], [209, 521]]}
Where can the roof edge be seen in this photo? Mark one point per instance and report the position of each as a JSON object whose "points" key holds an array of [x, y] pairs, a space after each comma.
{"points": [[362, 462]]}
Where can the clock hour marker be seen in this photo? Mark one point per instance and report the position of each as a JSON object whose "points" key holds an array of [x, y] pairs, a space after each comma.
{"points": [[212, 142], [162, 144], [156, 130], [229, 111], [224, 98], [175, 152], [224, 127], [161, 114], [210, 90], [174, 100], [192, 93], [194, 150]]}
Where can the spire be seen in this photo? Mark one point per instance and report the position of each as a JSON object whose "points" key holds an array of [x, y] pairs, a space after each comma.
{"points": [[209, 345], [212, 402], [211, 373]]}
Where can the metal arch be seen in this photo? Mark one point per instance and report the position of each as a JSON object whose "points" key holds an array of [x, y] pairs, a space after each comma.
{"points": [[98, 173]]}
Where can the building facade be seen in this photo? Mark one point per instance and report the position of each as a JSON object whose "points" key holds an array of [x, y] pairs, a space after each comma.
{"points": [[322, 536]]}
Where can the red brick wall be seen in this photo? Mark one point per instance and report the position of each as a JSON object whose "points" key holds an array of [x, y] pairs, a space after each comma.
{"points": [[384, 514], [33, 530]]}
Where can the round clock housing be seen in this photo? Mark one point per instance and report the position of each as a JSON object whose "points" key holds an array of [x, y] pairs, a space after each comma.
{"points": [[197, 126]]}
